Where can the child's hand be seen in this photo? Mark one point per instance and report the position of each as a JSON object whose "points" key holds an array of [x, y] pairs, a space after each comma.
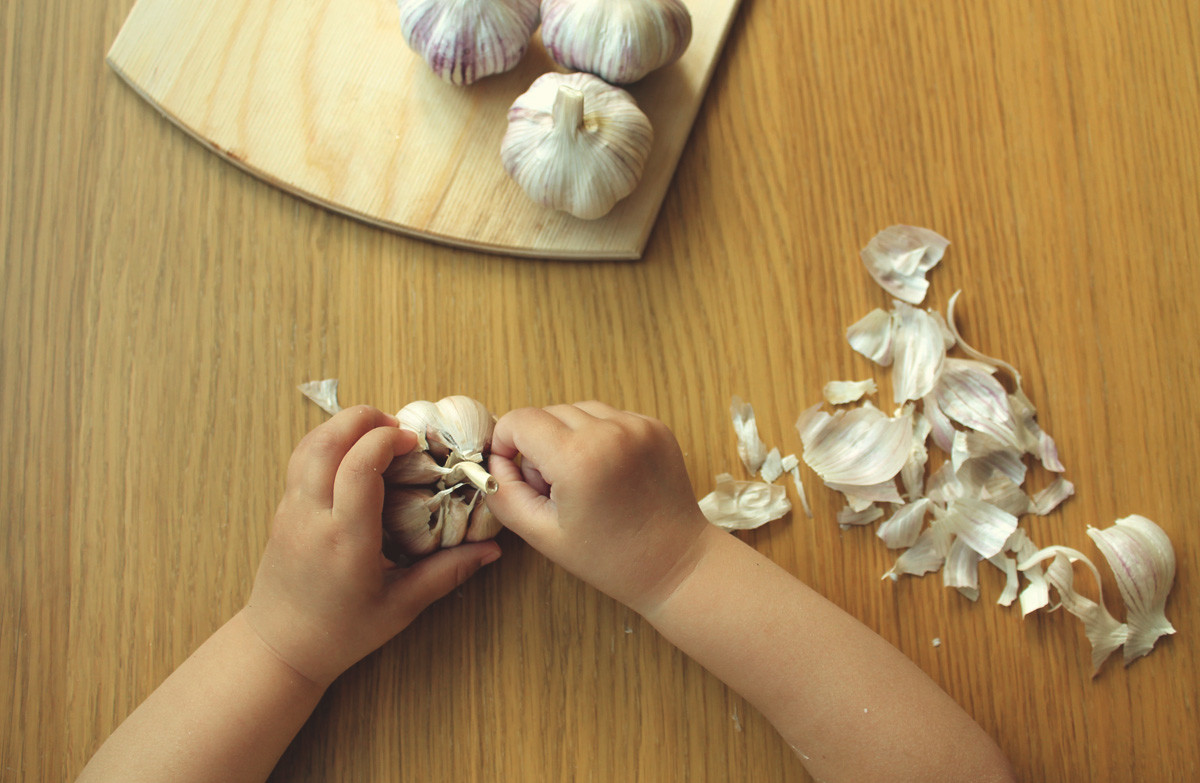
{"points": [[604, 493], [325, 596]]}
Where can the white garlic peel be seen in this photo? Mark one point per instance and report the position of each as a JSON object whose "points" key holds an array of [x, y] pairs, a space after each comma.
{"points": [[969, 509], [465, 40], [744, 505], [434, 494], [576, 144], [620, 41], [1143, 561], [899, 257]]}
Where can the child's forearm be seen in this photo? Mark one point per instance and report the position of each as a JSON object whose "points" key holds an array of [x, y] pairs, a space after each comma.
{"points": [[851, 705], [227, 713]]}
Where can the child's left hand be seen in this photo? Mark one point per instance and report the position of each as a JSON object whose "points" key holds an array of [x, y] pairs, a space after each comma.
{"points": [[325, 596]]}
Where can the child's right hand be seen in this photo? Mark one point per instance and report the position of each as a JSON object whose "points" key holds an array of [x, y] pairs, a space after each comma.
{"points": [[604, 493]]}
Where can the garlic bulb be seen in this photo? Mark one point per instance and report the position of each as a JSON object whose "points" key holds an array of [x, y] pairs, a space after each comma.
{"points": [[618, 40], [434, 494], [576, 144], [466, 40]]}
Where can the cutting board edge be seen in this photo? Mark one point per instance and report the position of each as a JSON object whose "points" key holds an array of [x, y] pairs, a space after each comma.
{"points": [[628, 253]]}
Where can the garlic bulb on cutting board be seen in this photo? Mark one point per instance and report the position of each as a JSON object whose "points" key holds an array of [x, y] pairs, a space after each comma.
{"points": [[576, 144], [466, 40], [618, 40]]}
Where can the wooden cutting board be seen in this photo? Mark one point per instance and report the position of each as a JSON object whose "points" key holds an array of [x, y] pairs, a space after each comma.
{"points": [[324, 99]]}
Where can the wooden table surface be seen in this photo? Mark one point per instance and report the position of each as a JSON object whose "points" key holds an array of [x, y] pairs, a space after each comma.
{"points": [[159, 307]]}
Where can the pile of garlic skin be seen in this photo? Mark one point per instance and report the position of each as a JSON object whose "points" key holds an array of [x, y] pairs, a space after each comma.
{"points": [[575, 142], [967, 510], [434, 495]]}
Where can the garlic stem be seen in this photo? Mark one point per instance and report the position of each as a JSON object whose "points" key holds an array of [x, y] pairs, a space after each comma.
{"points": [[568, 110]]}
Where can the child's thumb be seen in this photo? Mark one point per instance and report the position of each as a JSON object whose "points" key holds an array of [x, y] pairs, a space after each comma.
{"points": [[441, 572]]}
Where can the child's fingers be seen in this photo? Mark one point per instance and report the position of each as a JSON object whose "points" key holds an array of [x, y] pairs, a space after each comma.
{"points": [[527, 512], [315, 461], [435, 576], [358, 484], [535, 433]]}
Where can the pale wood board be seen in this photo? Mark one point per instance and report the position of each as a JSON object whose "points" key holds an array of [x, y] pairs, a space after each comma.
{"points": [[325, 99]]}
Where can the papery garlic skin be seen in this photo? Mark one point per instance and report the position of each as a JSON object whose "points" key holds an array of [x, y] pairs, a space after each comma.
{"points": [[466, 40], [899, 257], [621, 41], [576, 144], [1143, 562]]}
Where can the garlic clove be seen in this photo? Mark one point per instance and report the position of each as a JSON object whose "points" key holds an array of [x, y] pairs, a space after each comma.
{"points": [[750, 447], [1143, 561], [619, 41], [409, 521], [576, 144], [467, 426], [324, 393], [455, 514], [466, 40], [899, 257], [424, 418], [482, 524], [414, 468], [744, 505], [843, 392]]}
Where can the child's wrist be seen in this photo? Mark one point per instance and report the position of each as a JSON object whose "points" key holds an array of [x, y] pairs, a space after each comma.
{"points": [[257, 644], [656, 601]]}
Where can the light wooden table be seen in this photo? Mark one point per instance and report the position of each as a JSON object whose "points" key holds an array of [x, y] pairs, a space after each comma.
{"points": [[159, 307]]}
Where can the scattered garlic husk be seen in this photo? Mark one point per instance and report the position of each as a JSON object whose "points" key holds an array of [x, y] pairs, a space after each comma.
{"points": [[844, 392], [465, 40], [899, 257], [621, 42], [1143, 561], [577, 144], [324, 393], [968, 510], [860, 447], [1104, 632], [744, 505], [750, 447]]}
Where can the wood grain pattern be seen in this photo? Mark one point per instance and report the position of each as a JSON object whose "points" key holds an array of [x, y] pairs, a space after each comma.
{"points": [[325, 100], [157, 308]]}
